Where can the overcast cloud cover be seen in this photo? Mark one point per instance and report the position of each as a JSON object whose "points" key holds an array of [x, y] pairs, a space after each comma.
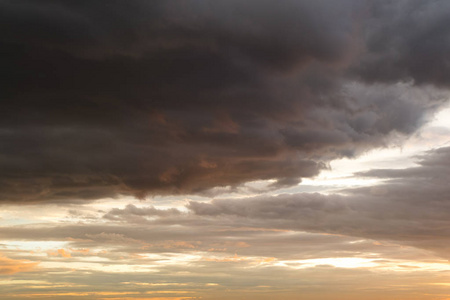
{"points": [[147, 97], [213, 112]]}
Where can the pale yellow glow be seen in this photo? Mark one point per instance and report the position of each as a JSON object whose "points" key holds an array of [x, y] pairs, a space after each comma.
{"points": [[155, 284], [101, 267], [374, 264], [340, 262], [153, 298], [440, 283], [332, 179], [37, 246], [107, 293]]}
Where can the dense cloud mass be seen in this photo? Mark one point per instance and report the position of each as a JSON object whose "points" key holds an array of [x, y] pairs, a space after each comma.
{"points": [[407, 39], [411, 207], [101, 98]]}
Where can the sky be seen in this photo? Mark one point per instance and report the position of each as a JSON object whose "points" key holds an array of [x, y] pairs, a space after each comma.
{"points": [[225, 150]]}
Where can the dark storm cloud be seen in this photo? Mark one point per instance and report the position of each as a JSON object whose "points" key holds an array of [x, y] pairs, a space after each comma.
{"points": [[142, 97], [411, 207], [407, 39]]}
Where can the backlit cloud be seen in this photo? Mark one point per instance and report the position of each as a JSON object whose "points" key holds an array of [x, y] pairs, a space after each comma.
{"points": [[410, 207]]}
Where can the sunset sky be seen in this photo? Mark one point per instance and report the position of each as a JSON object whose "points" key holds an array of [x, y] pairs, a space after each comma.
{"points": [[225, 149]]}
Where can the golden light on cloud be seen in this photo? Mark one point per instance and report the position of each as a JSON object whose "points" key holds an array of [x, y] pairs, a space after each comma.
{"points": [[107, 295], [341, 262], [60, 252], [154, 298], [10, 266]]}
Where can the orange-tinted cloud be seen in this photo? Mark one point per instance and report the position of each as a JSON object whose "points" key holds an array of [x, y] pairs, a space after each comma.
{"points": [[59, 252], [11, 266]]}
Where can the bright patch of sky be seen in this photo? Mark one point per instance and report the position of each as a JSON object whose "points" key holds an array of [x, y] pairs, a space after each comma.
{"points": [[434, 134]]}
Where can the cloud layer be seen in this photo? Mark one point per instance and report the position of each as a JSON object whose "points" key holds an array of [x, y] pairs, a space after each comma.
{"points": [[139, 97], [410, 207], [389, 239]]}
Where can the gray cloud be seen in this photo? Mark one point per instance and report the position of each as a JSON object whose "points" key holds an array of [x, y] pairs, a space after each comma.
{"points": [[412, 207], [406, 39], [138, 97], [139, 214]]}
